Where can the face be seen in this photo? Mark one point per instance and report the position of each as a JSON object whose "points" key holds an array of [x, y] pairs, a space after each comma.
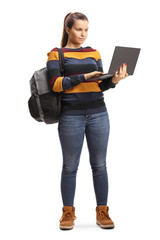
{"points": [[79, 32]]}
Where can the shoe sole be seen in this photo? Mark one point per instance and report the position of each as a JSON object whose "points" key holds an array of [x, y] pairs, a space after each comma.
{"points": [[105, 226], [66, 227]]}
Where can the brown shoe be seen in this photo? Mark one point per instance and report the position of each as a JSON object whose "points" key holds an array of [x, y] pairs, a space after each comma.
{"points": [[68, 217], [102, 218]]}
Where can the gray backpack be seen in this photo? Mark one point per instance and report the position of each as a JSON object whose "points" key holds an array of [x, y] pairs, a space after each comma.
{"points": [[44, 104]]}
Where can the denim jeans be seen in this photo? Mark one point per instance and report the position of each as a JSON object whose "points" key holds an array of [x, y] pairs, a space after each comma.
{"points": [[71, 133]]}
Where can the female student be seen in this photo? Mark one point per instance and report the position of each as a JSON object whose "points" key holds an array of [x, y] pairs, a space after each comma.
{"points": [[83, 113]]}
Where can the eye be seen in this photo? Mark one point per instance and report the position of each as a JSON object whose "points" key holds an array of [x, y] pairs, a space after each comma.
{"points": [[79, 29]]}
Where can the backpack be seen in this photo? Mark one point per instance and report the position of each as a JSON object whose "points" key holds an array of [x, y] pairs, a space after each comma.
{"points": [[45, 104]]}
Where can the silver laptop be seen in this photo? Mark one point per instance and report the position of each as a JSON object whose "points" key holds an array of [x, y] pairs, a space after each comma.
{"points": [[121, 55]]}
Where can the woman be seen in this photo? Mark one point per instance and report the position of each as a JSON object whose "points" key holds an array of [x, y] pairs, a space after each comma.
{"points": [[83, 113]]}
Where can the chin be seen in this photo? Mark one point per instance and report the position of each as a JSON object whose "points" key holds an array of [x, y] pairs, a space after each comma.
{"points": [[82, 41]]}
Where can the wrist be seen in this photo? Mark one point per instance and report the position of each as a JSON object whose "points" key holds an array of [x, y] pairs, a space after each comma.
{"points": [[114, 81], [85, 76]]}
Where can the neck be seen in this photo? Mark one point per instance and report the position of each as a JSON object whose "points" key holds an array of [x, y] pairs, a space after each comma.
{"points": [[73, 45]]}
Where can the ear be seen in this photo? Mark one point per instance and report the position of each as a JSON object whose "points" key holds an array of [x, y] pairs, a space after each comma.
{"points": [[67, 30]]}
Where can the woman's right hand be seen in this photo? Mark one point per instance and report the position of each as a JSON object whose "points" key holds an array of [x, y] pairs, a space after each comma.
{"points": [[92, 74]]}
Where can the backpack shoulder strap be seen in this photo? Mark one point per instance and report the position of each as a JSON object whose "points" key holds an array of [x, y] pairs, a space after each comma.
{"points": [[61, 60]]}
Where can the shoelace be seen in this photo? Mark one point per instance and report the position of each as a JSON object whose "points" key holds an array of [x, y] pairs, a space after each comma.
{"points": [[102, 214], [67, 216]]}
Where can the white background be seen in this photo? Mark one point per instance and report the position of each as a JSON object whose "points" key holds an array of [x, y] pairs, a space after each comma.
{"points": [[31, 159]]}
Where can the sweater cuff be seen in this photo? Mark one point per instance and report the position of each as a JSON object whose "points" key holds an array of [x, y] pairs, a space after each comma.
{"points": [[77, 79], [112, 85], [82, 78], [107, 84]]}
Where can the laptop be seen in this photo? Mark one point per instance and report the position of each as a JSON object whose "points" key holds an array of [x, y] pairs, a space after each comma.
{"points": [[121, 55]]}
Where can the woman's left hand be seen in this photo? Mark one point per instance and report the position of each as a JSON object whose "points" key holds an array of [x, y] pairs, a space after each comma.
{"points": [[122, 74]]}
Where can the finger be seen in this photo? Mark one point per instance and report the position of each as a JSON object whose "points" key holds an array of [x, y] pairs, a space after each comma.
{"points": [[98, 73], [126, 74], [116, 73], [125, 67], [121, 72], [120, 69]]}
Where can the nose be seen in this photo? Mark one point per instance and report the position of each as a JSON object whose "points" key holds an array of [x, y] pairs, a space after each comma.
{"points": [[83, 33]]}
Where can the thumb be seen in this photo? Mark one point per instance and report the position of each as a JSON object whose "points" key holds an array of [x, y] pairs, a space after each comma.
{"points": [[99, 72]]}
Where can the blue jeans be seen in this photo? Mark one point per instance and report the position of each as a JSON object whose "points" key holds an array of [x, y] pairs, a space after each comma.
{"points": [[71, 133]]}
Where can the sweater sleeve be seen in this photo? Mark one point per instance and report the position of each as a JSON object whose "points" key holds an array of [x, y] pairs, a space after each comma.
{"points": [[105, 84], [57, 82]]}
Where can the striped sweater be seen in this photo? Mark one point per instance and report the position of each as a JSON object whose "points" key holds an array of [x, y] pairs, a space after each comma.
{"points": [[79, 95]]}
